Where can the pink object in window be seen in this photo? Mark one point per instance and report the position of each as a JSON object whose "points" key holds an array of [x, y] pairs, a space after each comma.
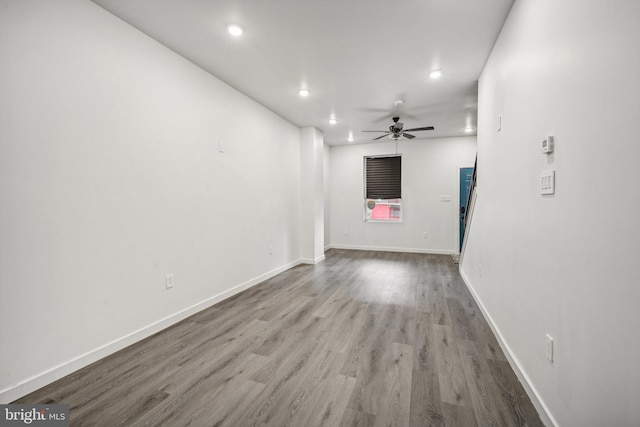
{"points": [[381, 212]]}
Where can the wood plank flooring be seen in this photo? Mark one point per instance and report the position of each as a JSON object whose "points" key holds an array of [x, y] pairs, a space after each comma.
{"points": [[361, 339]]}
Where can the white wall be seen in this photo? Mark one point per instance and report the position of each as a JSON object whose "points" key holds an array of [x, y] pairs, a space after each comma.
{"points": [[110, 178], [312, 195], [564, 264], [430, 169], [326, 173]]}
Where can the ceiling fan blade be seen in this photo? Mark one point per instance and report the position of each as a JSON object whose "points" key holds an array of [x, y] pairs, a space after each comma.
{"points": [[406, 135], [386, 131], [423, 128], [381, 136]]}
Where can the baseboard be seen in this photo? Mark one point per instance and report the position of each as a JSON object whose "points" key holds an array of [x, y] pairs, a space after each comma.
{"points": [[393, 249], [47, 377], [531, 391], [312, 261]]}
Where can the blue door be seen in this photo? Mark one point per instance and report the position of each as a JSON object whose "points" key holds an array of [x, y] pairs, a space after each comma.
{"points": [[466, 177]]}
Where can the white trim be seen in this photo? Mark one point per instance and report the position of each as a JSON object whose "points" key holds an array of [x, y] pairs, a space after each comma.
{"points": [[312, 261], [40, 380], [392, 249], [531, 391]]}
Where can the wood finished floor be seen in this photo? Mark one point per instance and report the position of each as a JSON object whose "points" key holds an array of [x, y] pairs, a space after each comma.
{"points": [[361, 339]]}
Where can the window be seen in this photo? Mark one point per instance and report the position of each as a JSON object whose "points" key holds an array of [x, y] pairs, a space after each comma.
{"points": [[382, 188]]}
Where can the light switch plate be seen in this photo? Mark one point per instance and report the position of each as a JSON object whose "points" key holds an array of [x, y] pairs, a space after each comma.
{"points": [[548, 182]]}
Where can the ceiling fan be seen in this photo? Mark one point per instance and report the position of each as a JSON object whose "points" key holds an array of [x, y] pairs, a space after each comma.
{"points": [[395, 130]]}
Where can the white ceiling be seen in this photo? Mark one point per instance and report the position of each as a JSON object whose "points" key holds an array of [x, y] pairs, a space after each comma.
{"points": [[357, 57]]}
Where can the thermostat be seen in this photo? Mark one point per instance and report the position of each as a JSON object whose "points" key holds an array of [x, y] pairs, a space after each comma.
{"points": [[547, 145]]}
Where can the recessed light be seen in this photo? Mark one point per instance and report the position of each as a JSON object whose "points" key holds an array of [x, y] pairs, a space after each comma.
{"points": [[235, 30], [304, 93], [332, 121], [468, 129], [435, 74]]}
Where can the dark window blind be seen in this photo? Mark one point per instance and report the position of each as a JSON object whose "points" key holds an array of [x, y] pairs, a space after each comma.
{"points": [[383, 176]]}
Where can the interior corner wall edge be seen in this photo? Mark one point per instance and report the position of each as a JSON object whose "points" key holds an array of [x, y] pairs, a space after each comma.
{"points": [[311, 194], [326, 188], [563, 264], [119, 165]]}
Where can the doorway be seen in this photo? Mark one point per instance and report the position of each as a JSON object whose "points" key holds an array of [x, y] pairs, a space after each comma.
{"points": [[466, 179]]}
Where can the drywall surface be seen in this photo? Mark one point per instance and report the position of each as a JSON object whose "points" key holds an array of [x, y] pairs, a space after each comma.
{"points": [[430, 170], [563, 264], [327, 194], [312, 195], [120, 163]]}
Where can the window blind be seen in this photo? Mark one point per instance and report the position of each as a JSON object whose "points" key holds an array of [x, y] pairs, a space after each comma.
{"points": [[383, 177]]}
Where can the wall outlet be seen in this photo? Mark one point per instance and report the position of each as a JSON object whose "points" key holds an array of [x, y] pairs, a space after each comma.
{"points": [[549, 348], [169, 281], [270, 250], [221, 146], [425, 235]]}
